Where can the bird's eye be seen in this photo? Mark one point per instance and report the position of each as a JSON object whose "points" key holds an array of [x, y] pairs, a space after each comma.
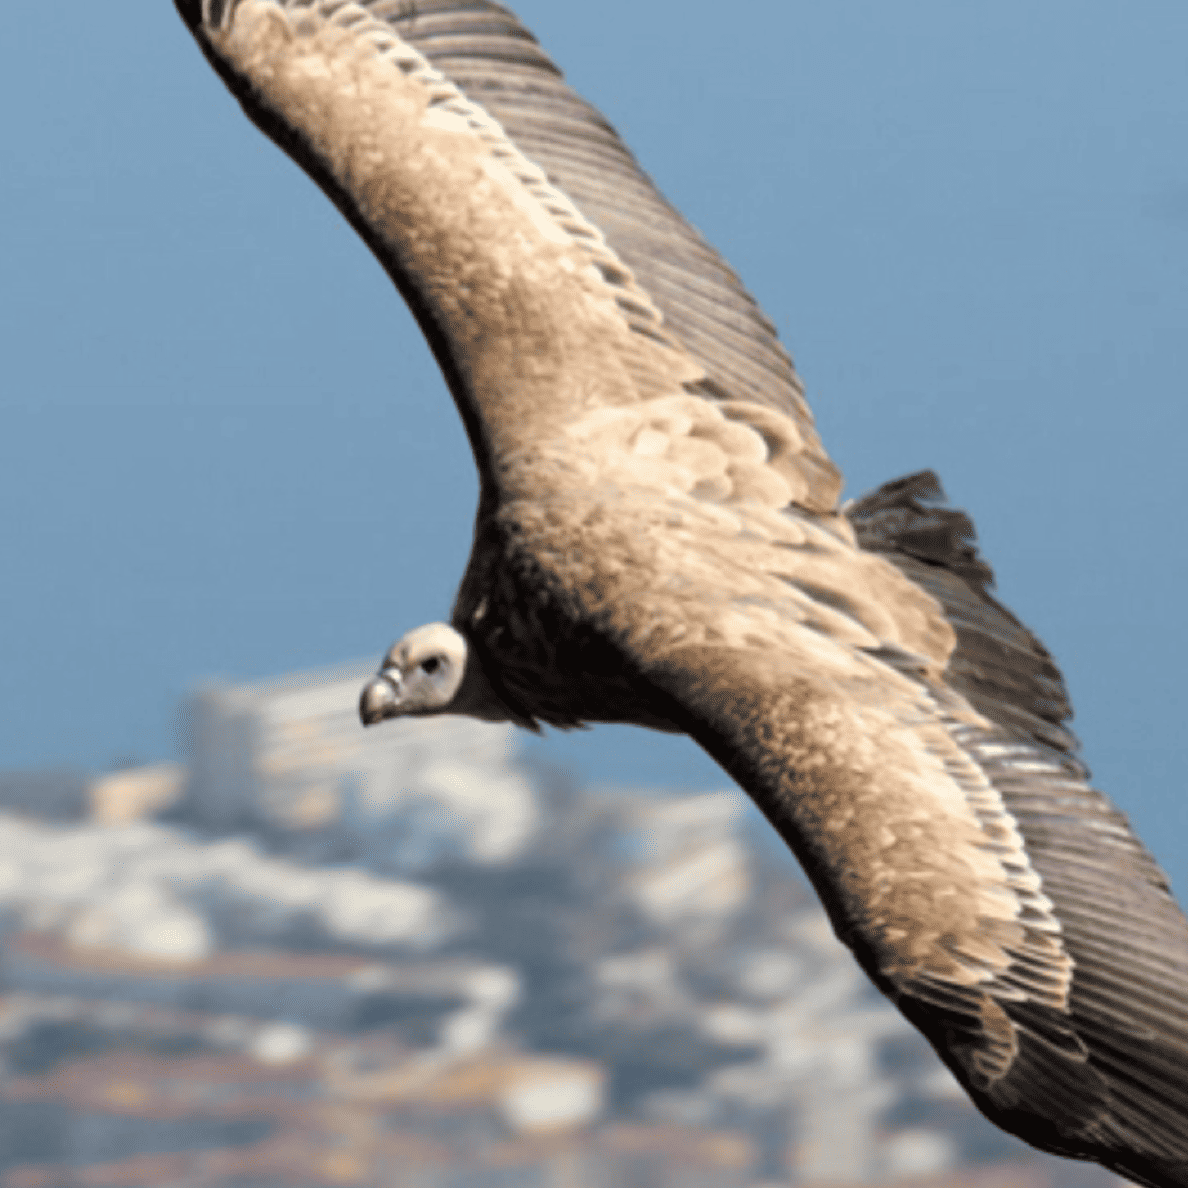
{"points": [[431, 665]]}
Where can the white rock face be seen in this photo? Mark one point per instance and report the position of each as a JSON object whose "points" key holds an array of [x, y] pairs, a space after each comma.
{"points": [[357, 907], [133, 793], [917, 1153], [148, 890], [143, 919], [281, 1043], [693, 868], [553, 1095], [642, 938], [291, 756]]}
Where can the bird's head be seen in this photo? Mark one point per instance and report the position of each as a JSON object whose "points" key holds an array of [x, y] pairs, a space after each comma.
{"points": [[421, 674]]}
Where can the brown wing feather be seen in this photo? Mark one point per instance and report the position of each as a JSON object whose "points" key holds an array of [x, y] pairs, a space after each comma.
{"points": [[931, 791], [1103, 1075], [1004, 671], [509, 214], [1129, 996], [494, 59]]}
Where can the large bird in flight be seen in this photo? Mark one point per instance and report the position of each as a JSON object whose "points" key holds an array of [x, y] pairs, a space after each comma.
{"points": [[659, 541]]}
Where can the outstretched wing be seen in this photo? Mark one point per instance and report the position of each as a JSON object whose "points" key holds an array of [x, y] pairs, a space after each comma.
{"points": [[506, 210], [926, 781], [649, 465], [1107, 1070]]}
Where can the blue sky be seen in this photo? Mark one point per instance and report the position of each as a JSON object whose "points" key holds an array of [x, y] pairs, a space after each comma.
{"points": [[227, 451]]}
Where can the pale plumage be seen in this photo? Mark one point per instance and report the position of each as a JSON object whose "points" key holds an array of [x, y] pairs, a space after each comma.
{"points": [[659, 542]]}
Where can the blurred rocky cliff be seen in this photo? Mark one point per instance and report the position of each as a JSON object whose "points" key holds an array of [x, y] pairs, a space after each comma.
{"points": [[324, 956]]}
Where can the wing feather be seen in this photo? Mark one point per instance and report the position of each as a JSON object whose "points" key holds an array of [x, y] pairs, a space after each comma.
{"points": [[1000, 666], [941, 812], [1103, 1073], [549, 275], [703, 302], [545, 117], [1127, 937]]}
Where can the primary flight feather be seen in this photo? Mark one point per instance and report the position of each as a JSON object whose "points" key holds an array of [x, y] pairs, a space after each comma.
{"points": [[659, 542]]}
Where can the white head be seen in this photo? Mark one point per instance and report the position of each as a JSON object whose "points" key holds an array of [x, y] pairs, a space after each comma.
{"points": [[420, 675]]}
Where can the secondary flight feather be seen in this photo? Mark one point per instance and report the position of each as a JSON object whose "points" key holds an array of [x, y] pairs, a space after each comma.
{"points": [[659, 541]]}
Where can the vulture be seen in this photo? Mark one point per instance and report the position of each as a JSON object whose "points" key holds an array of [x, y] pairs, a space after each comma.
{"points": [[659, 541]]}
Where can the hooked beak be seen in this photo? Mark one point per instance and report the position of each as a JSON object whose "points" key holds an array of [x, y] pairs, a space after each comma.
{"points": [[381, 697]]}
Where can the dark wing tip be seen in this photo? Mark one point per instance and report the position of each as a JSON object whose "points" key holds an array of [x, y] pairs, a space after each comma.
{"points": [[1002, 669], [190, 11], [211, 14], [907, 515], [1122, 1100]]}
